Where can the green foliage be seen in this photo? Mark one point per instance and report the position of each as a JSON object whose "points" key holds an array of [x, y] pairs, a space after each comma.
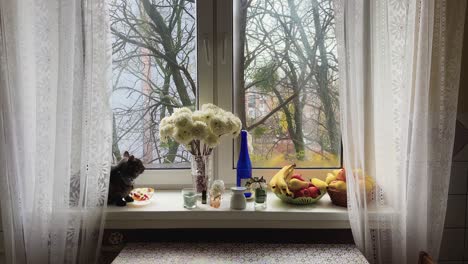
{"points": [[266, 77], [167, 145], [259, 131], [300, 155]]}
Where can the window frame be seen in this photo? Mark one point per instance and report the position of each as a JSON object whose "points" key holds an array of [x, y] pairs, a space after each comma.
{"points": [[215, 79]]}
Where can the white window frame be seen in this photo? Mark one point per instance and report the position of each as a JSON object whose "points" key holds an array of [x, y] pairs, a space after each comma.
{"points": [[215, 60]]}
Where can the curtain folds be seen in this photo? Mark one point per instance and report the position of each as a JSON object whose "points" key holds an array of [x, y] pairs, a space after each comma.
{"points": [[399, 70], [55, 128]]}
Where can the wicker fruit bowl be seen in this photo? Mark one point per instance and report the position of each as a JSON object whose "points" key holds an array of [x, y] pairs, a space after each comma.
{"points": [[340, 197], [299, 200]]}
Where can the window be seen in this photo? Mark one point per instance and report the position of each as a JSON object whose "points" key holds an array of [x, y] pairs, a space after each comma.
{"points": [[289, 75], [155, 71], [277, 60]]}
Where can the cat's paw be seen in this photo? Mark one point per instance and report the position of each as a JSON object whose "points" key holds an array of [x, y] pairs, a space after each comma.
{"points": [[129, 199], [121, 203]]}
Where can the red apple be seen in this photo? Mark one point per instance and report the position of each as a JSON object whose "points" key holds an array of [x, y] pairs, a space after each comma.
{"points": [[307, 193], [314, 192], [341, 175], [297, 176], [299, 193]]}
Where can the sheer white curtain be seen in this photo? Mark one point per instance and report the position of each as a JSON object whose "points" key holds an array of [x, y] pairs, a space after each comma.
{"points": [[399, 69], [55, 128]]}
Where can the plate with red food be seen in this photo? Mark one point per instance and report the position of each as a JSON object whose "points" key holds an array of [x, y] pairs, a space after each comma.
{"points": [[141, 196]]}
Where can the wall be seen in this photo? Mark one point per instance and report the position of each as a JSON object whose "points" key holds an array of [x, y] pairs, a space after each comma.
{"points": [[2, 253], [454, 248]]}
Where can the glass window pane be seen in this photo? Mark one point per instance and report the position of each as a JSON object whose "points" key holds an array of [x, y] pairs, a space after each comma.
{"points": [[154, 71], [286, 77]]}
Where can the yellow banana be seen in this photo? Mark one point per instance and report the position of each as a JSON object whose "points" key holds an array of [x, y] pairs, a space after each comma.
{"points": [[281, 184], [273, 180], [272, 183], [278, 182]]}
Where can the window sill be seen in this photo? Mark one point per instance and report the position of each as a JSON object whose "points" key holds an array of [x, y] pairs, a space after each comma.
{"points": [[166, 211]]}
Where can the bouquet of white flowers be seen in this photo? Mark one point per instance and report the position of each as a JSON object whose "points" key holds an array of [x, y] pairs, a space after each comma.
{"points": [[199, 131]]}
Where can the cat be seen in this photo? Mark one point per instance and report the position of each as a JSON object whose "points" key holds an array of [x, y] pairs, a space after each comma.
{"points": [[121, 179]]}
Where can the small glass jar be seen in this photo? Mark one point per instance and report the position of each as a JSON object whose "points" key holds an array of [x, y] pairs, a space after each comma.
{"points": [[215, 199], [189, 196], [260, 199], [216, 193], [258, 188]]}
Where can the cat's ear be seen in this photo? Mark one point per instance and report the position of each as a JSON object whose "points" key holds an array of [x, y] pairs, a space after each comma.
{"points": [[131, 158], [126, 154]]}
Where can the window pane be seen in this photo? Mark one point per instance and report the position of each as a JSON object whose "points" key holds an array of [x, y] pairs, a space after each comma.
{"points": [[286, 79], [154, 71]]}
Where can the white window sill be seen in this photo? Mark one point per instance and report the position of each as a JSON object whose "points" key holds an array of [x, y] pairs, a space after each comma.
{"points": [[166, 211]]}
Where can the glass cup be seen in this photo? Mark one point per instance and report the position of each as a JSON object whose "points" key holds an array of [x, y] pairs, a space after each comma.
{"points": [[189, 196]]}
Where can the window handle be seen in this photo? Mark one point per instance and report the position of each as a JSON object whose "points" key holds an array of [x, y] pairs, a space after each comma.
{"points": [[224, 51], [206, 47]]}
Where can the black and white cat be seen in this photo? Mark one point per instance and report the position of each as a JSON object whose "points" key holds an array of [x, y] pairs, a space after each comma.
{"points": [[121, 179]]}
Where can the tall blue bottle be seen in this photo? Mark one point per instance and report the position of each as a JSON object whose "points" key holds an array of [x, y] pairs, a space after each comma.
{"points": [[244, 165]]}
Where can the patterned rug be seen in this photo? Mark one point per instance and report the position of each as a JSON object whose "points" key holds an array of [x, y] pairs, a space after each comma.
{"points": [[213, 253]]}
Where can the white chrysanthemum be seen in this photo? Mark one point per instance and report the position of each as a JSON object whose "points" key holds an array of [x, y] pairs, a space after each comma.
{"points": [[166, 120], [211, 140], [218, 125], [204, 116], [198, 116], [234, 124], [236, 133], [199, 130], [182, 110], [165, 132], [237, 126], [182, 135], [231, 124], [212, 107], [183, 120]]}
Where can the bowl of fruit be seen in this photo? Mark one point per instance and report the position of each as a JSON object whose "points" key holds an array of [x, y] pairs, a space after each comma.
{"points": [[294, 189], [336, 188]]}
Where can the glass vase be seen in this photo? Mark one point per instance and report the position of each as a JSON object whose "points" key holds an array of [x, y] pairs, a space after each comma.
{"points": [[202, 174]]}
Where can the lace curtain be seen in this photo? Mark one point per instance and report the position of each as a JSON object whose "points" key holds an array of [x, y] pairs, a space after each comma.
{"points": [[55, 128], [399, 70]]}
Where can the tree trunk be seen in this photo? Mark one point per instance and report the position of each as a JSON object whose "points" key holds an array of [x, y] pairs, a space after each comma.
{"points": [[170, 51], [115, 145], [298, 136], [322, 80], [321, 75], [172, 153]]}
